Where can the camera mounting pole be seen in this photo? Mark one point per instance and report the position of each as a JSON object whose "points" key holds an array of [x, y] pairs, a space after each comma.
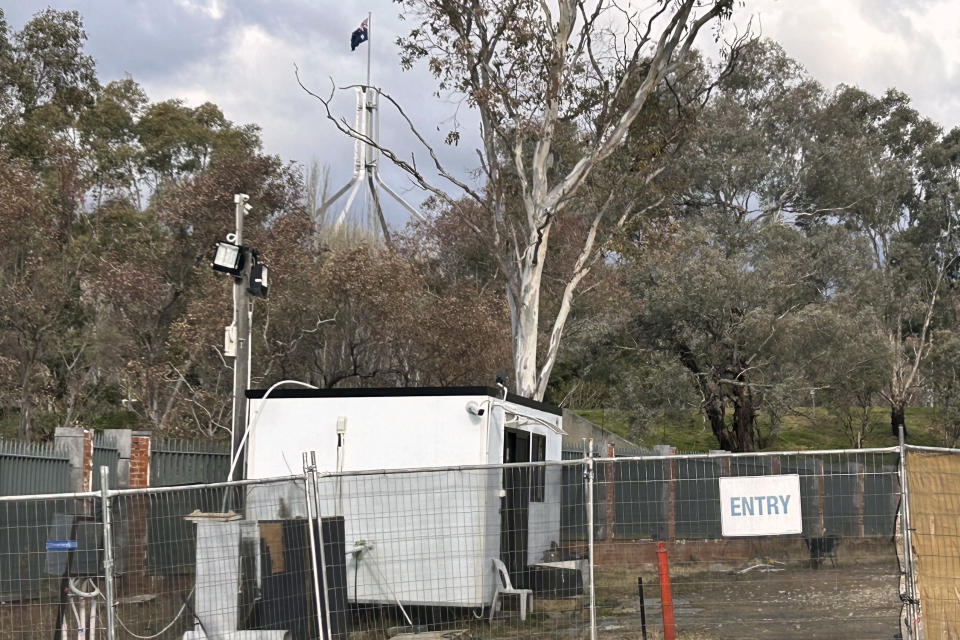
{"points": [[242, 312]]}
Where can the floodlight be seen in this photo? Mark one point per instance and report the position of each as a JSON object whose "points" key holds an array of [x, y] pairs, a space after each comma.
{"points": [[258, 280], [228, 259]]}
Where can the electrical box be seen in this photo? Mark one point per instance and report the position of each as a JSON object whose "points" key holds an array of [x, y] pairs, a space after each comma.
{"points": [[230, 341], [73, 546]]}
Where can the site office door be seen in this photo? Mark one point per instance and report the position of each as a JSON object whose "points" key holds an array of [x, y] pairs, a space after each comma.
{"points": [[515, 506]]}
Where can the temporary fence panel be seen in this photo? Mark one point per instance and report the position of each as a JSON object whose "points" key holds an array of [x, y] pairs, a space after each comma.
{"points": [[933, 478], [190, 562], [375, 554], [27, 468], [836, 575], [171, 540], [433, 549], [56, 556], [170, 546], [640, 498]]}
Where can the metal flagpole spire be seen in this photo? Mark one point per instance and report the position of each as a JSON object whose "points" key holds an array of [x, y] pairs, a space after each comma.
{"points": [[369, 198], [369, 46], [366, 172]]}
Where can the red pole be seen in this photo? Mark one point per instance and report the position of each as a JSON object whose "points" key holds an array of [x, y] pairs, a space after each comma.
{"points": [[666, 600]]}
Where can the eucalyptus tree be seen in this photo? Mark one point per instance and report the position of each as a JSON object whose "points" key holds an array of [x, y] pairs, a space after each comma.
{"points": [[883, 171], [537, 73], [725, 293], [46, 82]]}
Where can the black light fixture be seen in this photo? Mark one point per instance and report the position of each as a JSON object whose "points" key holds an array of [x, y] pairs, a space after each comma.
{"points": [[228, 258], [258, 280]]}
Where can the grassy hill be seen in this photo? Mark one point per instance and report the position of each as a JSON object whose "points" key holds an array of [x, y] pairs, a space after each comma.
{"points": [[688, 432]]}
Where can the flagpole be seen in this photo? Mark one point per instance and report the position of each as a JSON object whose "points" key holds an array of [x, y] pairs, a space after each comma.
{"points": [[369, 33], [369, 116]]}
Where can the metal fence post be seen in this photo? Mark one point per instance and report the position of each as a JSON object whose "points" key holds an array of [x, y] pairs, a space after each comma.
{"points": [[323, 552], [588, 482], [309, 467], [107, 550], [910, 597]]}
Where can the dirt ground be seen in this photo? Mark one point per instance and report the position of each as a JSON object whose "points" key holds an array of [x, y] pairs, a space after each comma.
{"points": [[711, 602], [857, 602]]}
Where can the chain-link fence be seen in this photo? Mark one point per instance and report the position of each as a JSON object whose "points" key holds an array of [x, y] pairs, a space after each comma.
{"points": [[783, 545]]}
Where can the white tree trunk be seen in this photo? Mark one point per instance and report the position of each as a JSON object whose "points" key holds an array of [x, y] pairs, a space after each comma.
{"points": [[525, 317]]}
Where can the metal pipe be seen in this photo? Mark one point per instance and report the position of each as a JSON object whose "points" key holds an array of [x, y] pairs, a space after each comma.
{"points": [[323, 553], [917, 447], [475, 467], [92, 629], [107, 551], [757, 454], [588, 479], [346, 207], [465, 467], [643, 609], [907, 538], [80, 495], [666, 598], [369, 43], [402, 202], [242, 309], [307, 474]]}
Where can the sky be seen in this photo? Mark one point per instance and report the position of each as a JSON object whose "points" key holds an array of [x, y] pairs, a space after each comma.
{"points": [[240, 54]]}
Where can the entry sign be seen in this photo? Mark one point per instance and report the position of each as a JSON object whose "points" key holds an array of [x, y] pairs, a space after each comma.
{"points": [[760, 505]]}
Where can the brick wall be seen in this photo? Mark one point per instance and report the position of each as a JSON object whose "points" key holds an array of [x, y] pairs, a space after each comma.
{"points": [[642, 554]]}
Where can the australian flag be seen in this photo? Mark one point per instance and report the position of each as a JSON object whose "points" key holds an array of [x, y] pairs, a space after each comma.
{"points": [[359, 36]]}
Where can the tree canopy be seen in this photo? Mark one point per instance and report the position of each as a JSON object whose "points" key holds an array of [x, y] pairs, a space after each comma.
{"points": [[650, 231]]}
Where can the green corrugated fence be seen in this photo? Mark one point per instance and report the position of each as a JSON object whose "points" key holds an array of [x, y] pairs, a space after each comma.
{"points": [[32, 467], [174, 462]]}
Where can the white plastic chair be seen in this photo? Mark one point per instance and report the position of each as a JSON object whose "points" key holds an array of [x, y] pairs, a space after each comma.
{"points": [[505, 587]]}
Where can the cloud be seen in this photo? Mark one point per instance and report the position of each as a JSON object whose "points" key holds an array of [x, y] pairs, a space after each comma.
{"points": [[874, 44], [240, 55], [211, 8]]}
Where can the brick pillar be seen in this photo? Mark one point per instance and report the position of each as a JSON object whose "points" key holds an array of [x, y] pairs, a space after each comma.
{"points": [[139, 461], [611, 474], [87, 468], [135, 512]]}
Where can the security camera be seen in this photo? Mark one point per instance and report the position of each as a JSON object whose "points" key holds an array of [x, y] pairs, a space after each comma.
{"points": [[474, 409]]}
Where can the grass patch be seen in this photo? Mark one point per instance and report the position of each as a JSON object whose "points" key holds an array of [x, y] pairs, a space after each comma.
{"points": [[808, 429]]}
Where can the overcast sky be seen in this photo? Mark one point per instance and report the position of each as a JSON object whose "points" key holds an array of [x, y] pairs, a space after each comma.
{"points": [[240, 55]]}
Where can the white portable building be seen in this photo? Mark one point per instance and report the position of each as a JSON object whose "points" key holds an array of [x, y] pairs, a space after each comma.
{"points": [[418, 537]]}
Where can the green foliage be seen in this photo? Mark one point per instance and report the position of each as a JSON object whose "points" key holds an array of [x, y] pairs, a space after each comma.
{"points": [[804, 430], [781, 239]]}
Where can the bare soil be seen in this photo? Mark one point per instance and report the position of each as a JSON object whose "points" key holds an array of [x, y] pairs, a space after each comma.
{"points": [[858, 602]]}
